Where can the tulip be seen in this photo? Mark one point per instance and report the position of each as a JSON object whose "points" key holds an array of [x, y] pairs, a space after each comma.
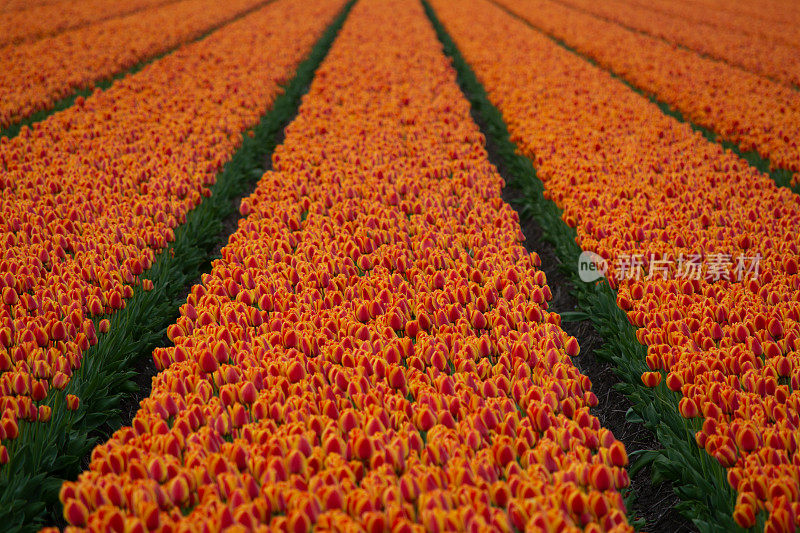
{"points": [[10, 296], [296, 372], [688, 408], [72, 402], [572, 347], [208, 362], [747, 439], [60, 380], [651, 379], [617, 454], [45, 413], [76, 513], [478, 320]]}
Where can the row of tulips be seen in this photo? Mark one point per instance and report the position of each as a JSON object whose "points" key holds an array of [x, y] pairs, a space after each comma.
{"points": [[743, 108], [757, 54], [91, 195], [773, 11], [8, 6], [763, 19], [41, 21], [36, 75], [374, 349], [637, 183]]}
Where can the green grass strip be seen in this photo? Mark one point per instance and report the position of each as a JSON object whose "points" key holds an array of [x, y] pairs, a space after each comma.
{"points": [[782, 177], [103, 84], [707, 499], [46, 454]]}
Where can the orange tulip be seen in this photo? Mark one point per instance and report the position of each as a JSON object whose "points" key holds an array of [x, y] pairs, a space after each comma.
{"points": [[72, 402], [651, 379]]}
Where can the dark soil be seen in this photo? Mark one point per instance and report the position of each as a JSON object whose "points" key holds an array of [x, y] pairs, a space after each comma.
{"points": [[145, 370]]}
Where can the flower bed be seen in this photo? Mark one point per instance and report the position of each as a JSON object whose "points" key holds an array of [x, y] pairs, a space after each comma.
{"points": [[764, 54], [652, 199], [33, 76], [747, 110], [374, 348], [41, 21], [113, 209]]}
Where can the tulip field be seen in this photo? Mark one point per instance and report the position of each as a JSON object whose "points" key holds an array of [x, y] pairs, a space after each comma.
{"points": [[268, 265]]}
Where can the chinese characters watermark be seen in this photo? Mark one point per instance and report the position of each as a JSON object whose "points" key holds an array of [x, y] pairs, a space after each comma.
{"points": [[711, 267]]}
